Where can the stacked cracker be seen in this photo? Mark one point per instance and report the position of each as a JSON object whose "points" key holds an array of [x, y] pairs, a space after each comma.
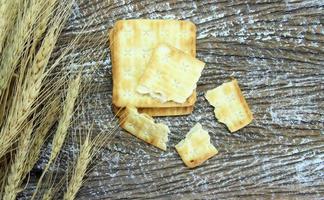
{"points": [[155, 73], [132, 43]]}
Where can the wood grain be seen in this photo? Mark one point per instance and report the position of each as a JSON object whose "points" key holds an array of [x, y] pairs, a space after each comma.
{"points": [[273, 48]]}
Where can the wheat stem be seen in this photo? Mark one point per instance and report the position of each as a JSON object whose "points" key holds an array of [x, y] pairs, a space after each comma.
{"points": [[48, 194]]}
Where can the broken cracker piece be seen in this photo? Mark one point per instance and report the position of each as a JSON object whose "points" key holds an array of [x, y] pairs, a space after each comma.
{"points": [[143, 127], [170, 75], [230, 106], [196, 147]]}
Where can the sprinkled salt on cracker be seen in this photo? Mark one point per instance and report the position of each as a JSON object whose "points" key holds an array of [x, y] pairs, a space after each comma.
{"points": [[131, 43], [170, 75], [143, 127], [230, 106], [196, 147]]}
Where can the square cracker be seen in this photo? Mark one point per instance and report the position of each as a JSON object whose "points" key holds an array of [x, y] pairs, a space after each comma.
{"points": [[143, 127], [196, 147], [170, 75], [154, 112], [131, 44], [230, 106]]}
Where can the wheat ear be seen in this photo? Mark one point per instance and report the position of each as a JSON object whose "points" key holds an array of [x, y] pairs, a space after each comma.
{"points": [[31, 88], [80, 170], [16, 41], [16, 173], [8, 13], [64, 122], [63, 125], [48, 195], [42, 24], [40, 134]]}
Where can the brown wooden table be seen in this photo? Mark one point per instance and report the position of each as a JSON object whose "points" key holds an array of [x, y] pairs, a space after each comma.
{"points": [[275, 50]]}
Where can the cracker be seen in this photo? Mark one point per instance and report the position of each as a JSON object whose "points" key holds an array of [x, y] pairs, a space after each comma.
{"points": [[143, 127], [170, 75], [131, 44], [154, 112], [196, 147], [230, 106]]}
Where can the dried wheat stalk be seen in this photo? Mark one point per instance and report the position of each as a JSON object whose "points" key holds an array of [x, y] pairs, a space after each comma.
{"points": [[89, 149], [79, 170], [40, 134], [17, 169], [48, 194], [63, 125], [8, 14], [16, 41], [43, 22], [30, 88]]}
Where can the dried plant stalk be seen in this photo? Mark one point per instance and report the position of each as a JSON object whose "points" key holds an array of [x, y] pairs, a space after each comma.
{"points": [[63, 125], [47, 121], [79, 170], [17, 169], [48, 194], [16, 41], [31, 87], [8, 13], [43, 22]]}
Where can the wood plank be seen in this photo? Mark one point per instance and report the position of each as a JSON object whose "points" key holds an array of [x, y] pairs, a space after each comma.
{"points": [[274, 49]]}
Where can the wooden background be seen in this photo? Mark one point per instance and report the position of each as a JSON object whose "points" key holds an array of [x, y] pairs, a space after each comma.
{"points": [[274, 49]]}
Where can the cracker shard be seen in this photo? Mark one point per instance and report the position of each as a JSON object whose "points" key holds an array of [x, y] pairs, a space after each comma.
{"points": [[143, 127], [230, 106], [196, 147], [170, 75]]}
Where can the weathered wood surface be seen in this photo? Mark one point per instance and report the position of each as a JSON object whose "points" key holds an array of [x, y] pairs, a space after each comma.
{"points": [[275, 50]]}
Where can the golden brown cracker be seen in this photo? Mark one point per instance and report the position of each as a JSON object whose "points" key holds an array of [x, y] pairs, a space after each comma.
{"points": [[143, 127], [155, 112], [196, 147], [131, 43], [230, 106], [170, 75]]}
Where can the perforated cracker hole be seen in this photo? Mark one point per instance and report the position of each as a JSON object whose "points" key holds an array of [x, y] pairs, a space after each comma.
{"points": [[128, 52], [175, 83], [128, 31], [185, 67], [127, 74], [146, 53], [146, 33], [127, 94]]}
